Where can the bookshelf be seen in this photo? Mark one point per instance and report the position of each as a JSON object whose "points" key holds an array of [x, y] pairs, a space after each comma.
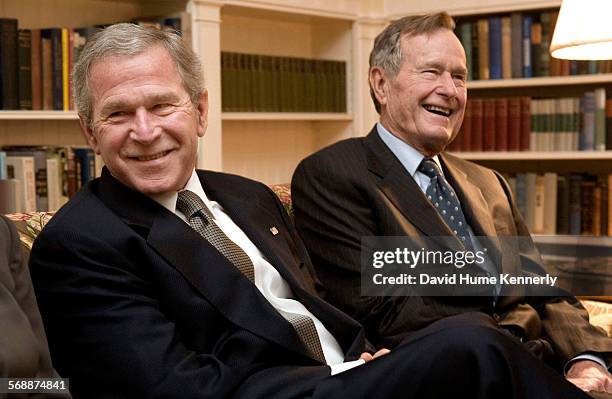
{"points": [[268, 145], [277, 141], [58, 127], [588, 164], [264, 146]]}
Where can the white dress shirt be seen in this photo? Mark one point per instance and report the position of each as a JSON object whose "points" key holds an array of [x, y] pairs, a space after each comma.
{"points": [[267, 279]]}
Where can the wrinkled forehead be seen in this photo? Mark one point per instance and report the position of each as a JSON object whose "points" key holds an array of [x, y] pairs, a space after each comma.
{"points": [[440, 43]]}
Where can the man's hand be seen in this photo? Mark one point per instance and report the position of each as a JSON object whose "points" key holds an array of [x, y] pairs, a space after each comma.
{"points": [[590, 376], [368, 356]]}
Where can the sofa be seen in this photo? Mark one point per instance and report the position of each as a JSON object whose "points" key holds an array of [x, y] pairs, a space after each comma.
{"points": [[30, 224]]}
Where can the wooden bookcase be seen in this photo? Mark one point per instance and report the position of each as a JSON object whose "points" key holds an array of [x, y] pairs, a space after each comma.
{"points": [[267, 146], [264, 146], [591, 162]]}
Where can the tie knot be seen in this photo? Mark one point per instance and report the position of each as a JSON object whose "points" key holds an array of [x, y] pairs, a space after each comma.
{"points": [[189, 203], [430, 168]]}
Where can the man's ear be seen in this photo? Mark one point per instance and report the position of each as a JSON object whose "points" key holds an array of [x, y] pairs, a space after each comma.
{"points": [[202, 113], [378, 84], [89, 135]]}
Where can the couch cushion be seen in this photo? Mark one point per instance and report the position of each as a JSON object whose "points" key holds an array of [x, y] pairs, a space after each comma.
{"points": [[29, 225]]}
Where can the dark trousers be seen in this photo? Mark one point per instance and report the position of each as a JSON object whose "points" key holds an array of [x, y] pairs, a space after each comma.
{"points": [[460, 356]]}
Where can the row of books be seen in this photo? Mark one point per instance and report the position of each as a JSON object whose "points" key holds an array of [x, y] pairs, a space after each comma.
{"points": [[572, 124], [261, 83], [43, 178], [527, 124], [36, 64], [576, 204], [517, 46]]}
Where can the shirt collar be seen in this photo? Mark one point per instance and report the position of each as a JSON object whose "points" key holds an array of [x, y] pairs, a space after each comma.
{"points": [[168, 200], [408, 156]]}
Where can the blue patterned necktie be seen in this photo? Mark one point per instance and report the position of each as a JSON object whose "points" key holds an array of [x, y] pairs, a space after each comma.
{"points": [[444, 199], [200, 219]]}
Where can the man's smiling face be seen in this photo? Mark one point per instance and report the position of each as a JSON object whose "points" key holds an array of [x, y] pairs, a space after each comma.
{"points": [[425, 102], [145, 126]]}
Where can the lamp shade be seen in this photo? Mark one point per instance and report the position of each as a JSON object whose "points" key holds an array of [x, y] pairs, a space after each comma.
{"points": [[583, 30]]}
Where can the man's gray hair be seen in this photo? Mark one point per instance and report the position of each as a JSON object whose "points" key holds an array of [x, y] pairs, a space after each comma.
{"points": [[126, 39], [387, 51]]}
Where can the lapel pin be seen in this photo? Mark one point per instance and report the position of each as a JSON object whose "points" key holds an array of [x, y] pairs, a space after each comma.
{"points": [[273, 230]]}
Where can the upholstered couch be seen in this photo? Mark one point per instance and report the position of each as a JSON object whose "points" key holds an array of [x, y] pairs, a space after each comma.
{"points": [[30, 224]]}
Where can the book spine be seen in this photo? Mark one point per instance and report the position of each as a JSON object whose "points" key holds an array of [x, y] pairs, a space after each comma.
{"points": [[527, 19], [514, 123], [550, 203], [495, 48], [562, 205], [489, 120], [466, 128], [516, 22], [501, 124], [9, 76], [596, 210], [58, 83], [538, 210], [3, 172], [587, 132], [464, 31], [25, 69], [475, 52], [47, 73], [476, 142], [574, 205], [587, 188], [23, 170], [36, 69], [609, 124], [525, 123], [506, 45], [545, 18], [600, 119], [536, 47], [483, 49], [65, 66], [609, 177]]}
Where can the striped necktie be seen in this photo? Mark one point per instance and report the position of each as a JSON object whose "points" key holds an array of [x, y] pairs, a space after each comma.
{"points": [[201, 220]]}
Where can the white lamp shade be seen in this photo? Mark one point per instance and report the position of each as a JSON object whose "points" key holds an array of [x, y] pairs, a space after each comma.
{"points": [[583, 30]]}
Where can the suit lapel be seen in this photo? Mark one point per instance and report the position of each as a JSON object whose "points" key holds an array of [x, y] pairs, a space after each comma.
{"points": [[263, 226], [474, 205], [200, 264], [256, 221], [403, 192]]}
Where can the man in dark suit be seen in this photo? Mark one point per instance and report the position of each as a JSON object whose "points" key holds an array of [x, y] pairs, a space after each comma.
{"points": [[160, 281], [398, 181]]}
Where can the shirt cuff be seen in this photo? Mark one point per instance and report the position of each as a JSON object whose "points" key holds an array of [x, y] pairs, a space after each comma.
{"points": [[586, 356], [342, 367]]}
